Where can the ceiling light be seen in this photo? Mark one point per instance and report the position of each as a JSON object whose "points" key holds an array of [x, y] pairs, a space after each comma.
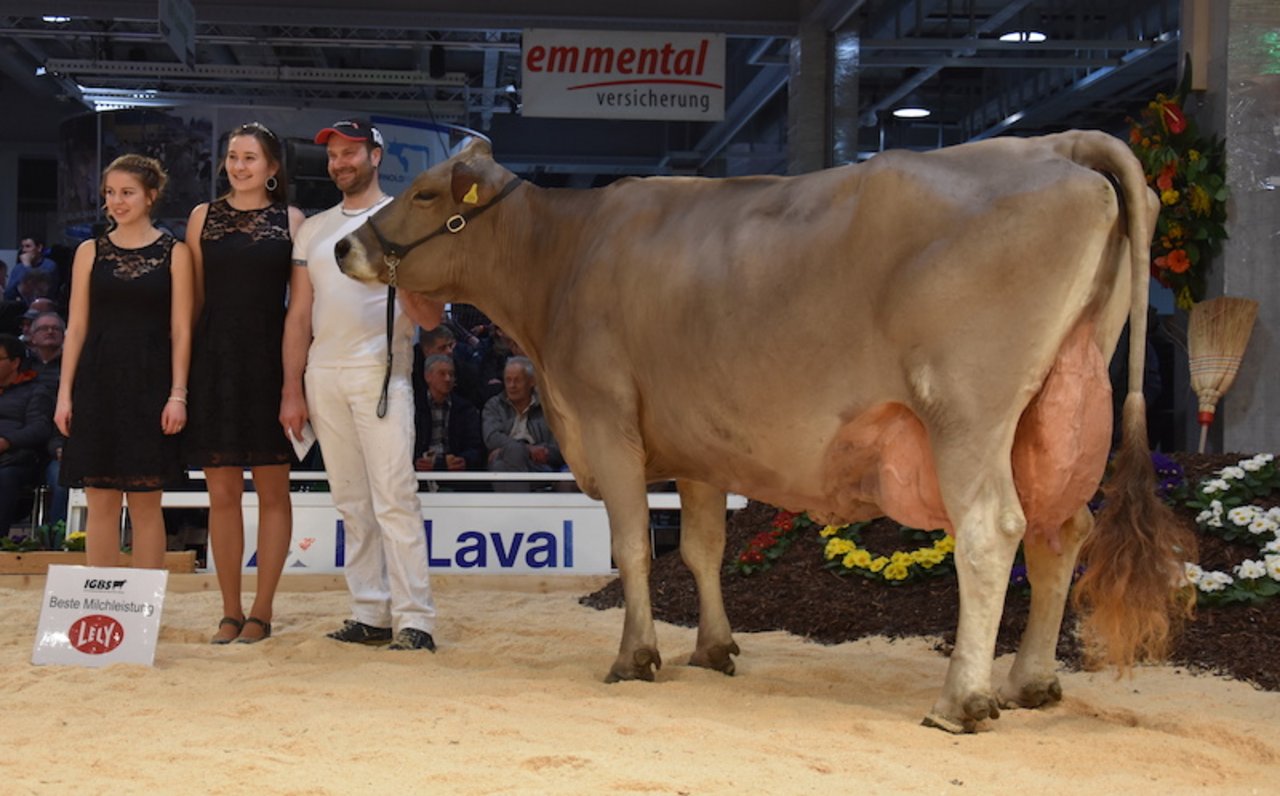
{"points": [[55, 20], [912, 112], [1024, 36]]}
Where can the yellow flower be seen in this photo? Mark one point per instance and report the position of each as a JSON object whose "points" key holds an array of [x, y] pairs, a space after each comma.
{"points": [[1193, 155], [1170, 197], [1175, 230], [896, 571], [878, 564], [1199, 200], [946, 544], [860, 559], [830, 530], [838, 547], [901, 557]]}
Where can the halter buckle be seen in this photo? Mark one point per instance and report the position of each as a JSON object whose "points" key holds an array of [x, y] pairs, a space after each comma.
{"points": [[455, 223]]}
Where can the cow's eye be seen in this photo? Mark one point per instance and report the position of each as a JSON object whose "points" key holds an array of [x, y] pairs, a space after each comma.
{"points": [[425, 196]]}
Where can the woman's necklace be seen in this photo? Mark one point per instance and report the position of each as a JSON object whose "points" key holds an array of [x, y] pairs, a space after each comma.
{"points": [[362, 211]]}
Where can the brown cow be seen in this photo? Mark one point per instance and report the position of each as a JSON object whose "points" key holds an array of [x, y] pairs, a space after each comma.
{"points": [[923, 336]]}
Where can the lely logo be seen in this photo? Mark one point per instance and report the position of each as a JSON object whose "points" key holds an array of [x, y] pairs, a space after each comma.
{"points": [[101, 584], [96, 634]]}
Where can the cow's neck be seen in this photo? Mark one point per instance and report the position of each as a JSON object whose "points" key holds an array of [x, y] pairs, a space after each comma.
{"points": [[536, 235]]}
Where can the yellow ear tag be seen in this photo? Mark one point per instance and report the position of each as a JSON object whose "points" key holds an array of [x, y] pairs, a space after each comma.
{"points": [[472, 196]]}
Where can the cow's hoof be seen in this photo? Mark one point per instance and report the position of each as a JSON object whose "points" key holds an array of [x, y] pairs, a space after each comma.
{"points": [[641, 666], [978, 707], [1035, 694], [717, 656]]}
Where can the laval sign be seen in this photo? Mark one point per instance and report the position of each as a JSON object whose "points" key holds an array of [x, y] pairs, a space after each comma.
{"points": [[592, 74]]}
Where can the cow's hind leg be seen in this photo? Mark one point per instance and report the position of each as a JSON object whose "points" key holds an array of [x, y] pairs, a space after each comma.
{"points": [[980, 497], [702, 510], [1033, 681]]}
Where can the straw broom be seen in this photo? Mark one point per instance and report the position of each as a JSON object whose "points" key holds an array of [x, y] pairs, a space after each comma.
{"points": [[1217, 334]]}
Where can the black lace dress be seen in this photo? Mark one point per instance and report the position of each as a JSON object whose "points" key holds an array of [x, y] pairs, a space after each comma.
{"points": [[236, 373], [123, 375]]}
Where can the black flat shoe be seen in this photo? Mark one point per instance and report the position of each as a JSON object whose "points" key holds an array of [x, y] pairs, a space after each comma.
{"points": [[266, 630]]}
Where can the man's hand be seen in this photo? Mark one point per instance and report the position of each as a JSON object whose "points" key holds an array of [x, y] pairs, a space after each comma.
{"points": [[539, 454], [455, 463], [423, 464]]}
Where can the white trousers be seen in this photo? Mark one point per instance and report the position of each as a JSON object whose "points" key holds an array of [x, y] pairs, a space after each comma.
{"points": [[370, 465]]}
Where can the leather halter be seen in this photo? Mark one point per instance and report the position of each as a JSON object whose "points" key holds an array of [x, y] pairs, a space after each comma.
{"points": [[393, 253]]}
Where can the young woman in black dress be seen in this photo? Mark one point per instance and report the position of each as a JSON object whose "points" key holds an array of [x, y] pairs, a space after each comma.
{"points": [[242, 247], [123, 395]]}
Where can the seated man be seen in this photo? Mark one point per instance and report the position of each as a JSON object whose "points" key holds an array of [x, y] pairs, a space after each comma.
{"points": [[26, 424], [448, 427], [516, 431]]}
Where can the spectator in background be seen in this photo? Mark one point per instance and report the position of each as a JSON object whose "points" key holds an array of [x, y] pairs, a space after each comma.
{"points": [[441, 340], [44, 340], [448, 426], [31, 259], [44, 343], [26, 423], [516, 431]]}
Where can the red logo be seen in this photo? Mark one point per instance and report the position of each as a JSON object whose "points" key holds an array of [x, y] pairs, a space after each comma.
{"points": [[96, 634], [306, 543]]}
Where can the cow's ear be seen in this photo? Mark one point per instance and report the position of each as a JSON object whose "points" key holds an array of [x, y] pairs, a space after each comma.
{"points": [[467, 186]]}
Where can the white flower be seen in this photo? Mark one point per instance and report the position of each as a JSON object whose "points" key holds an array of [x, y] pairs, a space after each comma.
{"points": [[1215, 485], [1273, 566], [1204, 517], [1242, 515], [1262, 524], [1272, 547], [1273, 514], [1232, 473], [1250, 569], [1215, 581], [1251, 465], [1264, 458], [1193, 572]]}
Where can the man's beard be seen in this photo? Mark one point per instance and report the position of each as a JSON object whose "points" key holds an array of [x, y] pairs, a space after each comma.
{"points": [[361, 180]]}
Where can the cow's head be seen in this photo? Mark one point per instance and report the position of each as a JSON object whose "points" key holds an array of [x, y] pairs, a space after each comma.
{"points": [[414, 239]]}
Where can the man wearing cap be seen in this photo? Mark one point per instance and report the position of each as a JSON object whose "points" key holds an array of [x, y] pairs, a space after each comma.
{"points": [[335, 364]]}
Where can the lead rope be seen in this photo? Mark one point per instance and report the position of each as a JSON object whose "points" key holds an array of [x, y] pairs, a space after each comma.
{"points": [[392, 262]]}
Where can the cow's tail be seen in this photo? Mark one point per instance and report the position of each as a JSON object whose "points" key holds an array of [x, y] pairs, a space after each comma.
{"points": [[1132, 596]]}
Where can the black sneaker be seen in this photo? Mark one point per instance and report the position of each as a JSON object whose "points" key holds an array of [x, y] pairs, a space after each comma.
{"points": [[411, 638], [354, 632]]}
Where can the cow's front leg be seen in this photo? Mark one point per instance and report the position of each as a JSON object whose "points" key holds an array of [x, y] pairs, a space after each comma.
{"points": [[1033, 680], [989, 524], [702, 510], [617, 461]]}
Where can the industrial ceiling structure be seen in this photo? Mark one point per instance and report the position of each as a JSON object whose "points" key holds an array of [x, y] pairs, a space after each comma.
{"points": [[979, 67]]}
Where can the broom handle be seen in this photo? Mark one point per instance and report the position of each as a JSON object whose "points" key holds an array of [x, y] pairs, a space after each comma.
{"points": [[1204, 437]]}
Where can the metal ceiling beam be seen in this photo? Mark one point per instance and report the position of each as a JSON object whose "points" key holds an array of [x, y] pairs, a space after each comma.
{"points": [[288, 74], [1139, 66], [993, 23], [762, 88]]}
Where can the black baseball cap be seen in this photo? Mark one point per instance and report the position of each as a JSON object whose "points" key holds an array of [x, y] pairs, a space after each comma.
{"points": [[352, 130]]}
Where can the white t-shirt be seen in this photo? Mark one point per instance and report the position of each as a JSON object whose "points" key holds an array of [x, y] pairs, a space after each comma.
{"points": [[348, 318]]}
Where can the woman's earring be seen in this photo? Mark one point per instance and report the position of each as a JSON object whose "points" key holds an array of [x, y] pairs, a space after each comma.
{"points": [[272, 183]]}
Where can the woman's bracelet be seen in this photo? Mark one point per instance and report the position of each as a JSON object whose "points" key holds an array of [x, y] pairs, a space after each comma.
{"points": [[178, 399]]}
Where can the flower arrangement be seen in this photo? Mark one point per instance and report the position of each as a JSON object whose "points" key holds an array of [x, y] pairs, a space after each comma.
{"points": [[1226, 510], [1188, 171], [74, 541], [844, 553], [767, 546]]}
